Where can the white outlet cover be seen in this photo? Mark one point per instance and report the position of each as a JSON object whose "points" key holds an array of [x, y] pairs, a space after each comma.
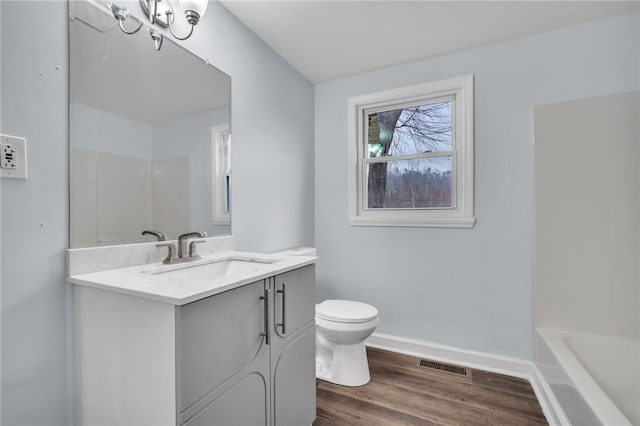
{"points": [[20, 145]]}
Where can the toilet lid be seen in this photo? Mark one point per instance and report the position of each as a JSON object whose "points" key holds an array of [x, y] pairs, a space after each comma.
{"points": [[345, 311]]}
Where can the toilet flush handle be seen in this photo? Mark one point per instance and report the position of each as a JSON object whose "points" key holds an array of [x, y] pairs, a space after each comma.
{"points": [[284, 308]]}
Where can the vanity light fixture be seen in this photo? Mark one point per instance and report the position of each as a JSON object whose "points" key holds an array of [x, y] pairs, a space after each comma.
{"points": [[121, 13], [161, 12]]}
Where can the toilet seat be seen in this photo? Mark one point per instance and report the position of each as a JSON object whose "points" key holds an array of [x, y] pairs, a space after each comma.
{"points": [[345, 311]]}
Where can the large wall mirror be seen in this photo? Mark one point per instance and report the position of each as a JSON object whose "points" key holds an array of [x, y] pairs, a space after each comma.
{"points": [[150, 140]]}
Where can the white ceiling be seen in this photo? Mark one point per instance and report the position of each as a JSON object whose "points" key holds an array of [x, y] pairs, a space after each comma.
{"points": [[325, 40]]}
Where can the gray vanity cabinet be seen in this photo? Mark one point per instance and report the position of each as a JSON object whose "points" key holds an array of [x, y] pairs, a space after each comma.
{"points": [[222, 360], [223, 363], [229, 373]]}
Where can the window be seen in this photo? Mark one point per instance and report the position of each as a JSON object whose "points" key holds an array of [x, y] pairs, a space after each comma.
{"points": [[411, 156], [221, 174]]}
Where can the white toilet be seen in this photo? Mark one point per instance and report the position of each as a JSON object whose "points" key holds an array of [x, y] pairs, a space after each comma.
{"points": [[341, 328]]}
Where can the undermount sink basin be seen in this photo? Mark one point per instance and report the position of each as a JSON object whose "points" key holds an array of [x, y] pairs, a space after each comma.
{"points": [[210, 269]]}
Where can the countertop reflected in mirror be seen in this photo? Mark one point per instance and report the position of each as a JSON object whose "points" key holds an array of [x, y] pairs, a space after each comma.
{"points": [[149, 135]]}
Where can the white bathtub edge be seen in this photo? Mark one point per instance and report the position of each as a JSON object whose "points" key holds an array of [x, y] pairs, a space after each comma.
{"points": [[550, 405], [515, 367], [606, 411]]}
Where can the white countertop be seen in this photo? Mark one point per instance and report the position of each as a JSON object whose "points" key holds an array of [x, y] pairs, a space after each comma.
{"points": [[167, 288]]}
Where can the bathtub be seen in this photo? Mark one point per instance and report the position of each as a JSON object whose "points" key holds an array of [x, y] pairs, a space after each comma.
{"points": [[595, 378]]}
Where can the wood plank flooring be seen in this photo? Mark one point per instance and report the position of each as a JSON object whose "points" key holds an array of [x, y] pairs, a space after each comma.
{"points": [[401, 392]]}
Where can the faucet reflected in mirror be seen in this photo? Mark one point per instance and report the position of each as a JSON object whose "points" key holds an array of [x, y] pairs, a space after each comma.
{"points": [[161, 236], [144, 151]]}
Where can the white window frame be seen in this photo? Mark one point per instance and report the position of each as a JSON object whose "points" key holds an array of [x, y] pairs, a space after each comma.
{"points": [[460, 89], [221, 214]]}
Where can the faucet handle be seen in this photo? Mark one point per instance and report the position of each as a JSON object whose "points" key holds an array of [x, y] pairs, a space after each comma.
{"points": [[171, 256], [192, 249]]}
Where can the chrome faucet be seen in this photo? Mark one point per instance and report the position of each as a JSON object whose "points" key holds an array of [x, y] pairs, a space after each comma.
{"points": [[183, 254], [161, 236], [182, 245]]}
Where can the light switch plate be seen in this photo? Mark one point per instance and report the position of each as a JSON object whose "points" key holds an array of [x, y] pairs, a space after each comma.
{"points": [[13, 157]]}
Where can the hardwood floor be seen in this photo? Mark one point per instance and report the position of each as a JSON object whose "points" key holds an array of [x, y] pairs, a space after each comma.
{"points": [[402, 392]]}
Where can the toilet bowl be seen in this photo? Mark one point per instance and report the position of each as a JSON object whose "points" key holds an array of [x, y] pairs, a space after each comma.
{"points": [[341, 328]]}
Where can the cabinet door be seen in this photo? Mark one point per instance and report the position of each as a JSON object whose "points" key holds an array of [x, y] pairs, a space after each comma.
{"points": [[222, 355], [294, 379], [294, 300], [245, 404], [293, 351]]}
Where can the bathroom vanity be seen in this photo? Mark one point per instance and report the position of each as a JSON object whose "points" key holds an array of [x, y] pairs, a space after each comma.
{"points": [[227, 339], [197, 344]]}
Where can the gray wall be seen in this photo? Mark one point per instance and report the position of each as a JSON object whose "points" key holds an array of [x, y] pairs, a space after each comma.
{"points": [[470, 289], [34, 216], [0, 226], [100, 130], [272, 122]]}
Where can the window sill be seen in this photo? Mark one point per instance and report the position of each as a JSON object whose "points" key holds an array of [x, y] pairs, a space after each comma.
{"points": [[448, 222]]}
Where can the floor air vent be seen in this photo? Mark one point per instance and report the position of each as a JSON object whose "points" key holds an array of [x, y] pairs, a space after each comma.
{"points": [[444, 367]]}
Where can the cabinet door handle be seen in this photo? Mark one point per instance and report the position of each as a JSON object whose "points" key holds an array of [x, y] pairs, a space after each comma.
{"points": [[284, 308], [265, 299]]}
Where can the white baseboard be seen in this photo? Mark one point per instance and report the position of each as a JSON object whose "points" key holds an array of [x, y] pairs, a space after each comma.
{"points": [[479, 360]]}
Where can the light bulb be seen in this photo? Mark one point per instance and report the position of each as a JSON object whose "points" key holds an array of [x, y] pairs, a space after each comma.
{"points": [[197, 6]]}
